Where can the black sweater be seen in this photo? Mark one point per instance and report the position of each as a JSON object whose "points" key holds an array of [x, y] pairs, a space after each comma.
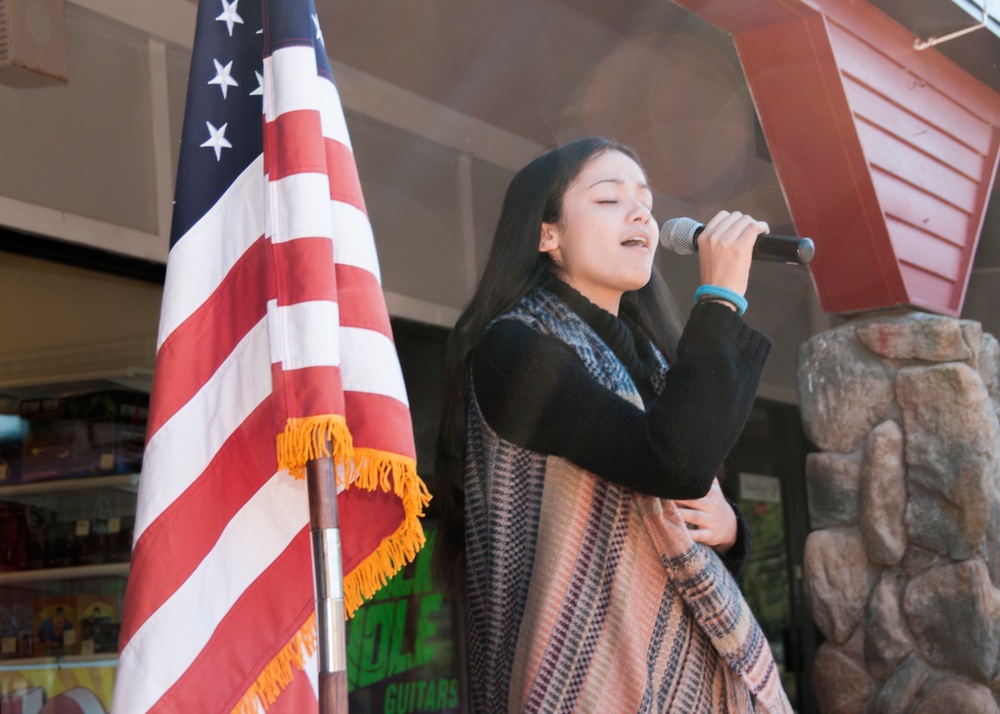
{"points": [[534, 391]]}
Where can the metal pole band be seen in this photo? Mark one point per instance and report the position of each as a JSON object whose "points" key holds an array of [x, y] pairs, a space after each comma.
{"points": [[329, 579], [329, 600]]}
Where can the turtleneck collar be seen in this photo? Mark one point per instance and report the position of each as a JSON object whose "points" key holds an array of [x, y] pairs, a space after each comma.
{"points": [[619, 334]]}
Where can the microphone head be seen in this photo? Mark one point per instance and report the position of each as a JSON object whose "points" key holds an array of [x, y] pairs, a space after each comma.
{"points": [[678, 235]]}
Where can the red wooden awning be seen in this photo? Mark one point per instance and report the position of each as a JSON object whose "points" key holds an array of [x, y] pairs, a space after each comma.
{"points": [[886, 155]]}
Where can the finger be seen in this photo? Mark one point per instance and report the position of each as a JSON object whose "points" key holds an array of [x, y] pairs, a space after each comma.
{"points": [[694, 518], [746, 229], [710, 226], [705, 535], [753, 229], [722, 228]]}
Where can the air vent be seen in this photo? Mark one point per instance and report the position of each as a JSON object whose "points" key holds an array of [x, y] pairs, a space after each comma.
{"points": [[32, 43]]}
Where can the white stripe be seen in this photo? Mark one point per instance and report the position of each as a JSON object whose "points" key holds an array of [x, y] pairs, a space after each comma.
{"points": [[353, 241], [290, 69], [305, 334], [173, 636], [300, 207], [331, 113], [370, 364], [287, 90], [181, 449], [204, 255]]}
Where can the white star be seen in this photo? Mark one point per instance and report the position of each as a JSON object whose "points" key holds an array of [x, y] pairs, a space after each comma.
{"points": [[229, 15], [222, 77], [319, 32], [217, 140], [260, 84]]}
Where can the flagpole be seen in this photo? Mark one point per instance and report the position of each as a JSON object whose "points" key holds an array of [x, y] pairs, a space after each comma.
{"points": [[325, 525]]}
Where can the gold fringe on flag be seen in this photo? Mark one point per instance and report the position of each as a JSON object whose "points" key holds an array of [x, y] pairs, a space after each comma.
{"points": [[320, 437], [311, 438], [380, 469], [279, 671]]}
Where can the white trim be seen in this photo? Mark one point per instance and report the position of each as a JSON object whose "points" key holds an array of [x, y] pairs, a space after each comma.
{"points": [[163, 169], [418, 310], [49, 222], [977, 8], [466, 215], [172, 21]]}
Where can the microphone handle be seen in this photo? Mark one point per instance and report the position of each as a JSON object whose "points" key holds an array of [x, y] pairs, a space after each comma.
{"points": [[777, 249], [784, 249]]}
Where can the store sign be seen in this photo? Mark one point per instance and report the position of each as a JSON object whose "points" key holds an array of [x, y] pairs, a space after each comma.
{"points": [[402, 656], [51, 688], [754, 487]]}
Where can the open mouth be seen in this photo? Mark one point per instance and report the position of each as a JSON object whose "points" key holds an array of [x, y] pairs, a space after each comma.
{"points": [[636, 242]]}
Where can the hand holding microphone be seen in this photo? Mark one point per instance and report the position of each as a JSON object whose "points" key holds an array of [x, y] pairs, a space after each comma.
{"points": [[725, 248], [681, 236]]}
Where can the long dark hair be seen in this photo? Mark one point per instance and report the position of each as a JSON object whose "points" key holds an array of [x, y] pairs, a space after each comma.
{"points": [[515, 268]]}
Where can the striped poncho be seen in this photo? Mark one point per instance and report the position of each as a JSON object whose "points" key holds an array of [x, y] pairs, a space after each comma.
{"points": [[586, 596]]}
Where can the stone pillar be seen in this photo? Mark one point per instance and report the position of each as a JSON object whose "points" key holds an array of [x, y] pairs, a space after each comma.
{"points": [[902, 566]]}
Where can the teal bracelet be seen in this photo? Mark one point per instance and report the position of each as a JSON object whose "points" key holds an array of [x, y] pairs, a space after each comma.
{"points": [[715, 291]]}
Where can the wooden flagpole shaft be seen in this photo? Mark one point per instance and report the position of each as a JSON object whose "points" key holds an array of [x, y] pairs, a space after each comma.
{"points": [[329, 578]]}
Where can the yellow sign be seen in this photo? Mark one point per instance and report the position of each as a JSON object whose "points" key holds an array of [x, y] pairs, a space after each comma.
{"points": [[89, 684]]}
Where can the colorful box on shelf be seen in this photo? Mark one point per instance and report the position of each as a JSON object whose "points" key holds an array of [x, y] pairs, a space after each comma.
{"points": [[99, 623], [12, 428], [84, 434], [23, 535], [57, 627], [17, 634]]}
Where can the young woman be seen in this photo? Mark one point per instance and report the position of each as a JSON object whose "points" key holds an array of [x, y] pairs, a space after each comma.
{"points": [[583, 434]]}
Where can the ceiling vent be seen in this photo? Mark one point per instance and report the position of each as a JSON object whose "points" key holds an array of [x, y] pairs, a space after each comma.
{"points": [[32, 43]]}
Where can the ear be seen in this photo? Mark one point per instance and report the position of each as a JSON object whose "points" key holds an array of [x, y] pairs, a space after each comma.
{"points": [[549, 241]]}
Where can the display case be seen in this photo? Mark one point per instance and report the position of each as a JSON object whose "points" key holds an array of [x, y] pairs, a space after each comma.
{"points": [[70, 455]]}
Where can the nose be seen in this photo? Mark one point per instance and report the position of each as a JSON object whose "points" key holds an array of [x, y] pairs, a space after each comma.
{"points": [[639, 212]]}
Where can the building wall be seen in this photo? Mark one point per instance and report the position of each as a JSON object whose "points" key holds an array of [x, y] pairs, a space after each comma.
{"points": [[93, 162]]}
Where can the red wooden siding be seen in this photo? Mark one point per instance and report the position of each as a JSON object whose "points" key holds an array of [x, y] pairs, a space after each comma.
{"points": [[886, 155]]}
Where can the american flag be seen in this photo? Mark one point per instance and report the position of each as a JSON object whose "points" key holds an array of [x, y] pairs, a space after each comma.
{"points": [[274, 336]]}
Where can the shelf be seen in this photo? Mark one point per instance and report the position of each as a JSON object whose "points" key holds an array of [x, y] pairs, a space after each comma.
{"points": [[75, 572], [137, 378], [105, 659], [127, 482]]}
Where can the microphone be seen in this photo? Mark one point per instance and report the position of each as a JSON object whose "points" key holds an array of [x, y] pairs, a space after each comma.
{"points": [[681, 236]]}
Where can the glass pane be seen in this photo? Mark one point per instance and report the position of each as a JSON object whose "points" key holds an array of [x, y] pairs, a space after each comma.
{"points": [[765, 579]]}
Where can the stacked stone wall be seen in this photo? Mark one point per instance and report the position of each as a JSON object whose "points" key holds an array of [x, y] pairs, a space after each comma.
{"points": [[902, 566]]}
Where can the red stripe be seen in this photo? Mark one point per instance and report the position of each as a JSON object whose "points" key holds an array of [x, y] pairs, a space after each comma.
{"points": [[195, 349], [379, 422], [293, 144], [188, 529], [256, 628], [366, 517], [362, 303], [306, 392], [304, 271], [345, 185]]}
